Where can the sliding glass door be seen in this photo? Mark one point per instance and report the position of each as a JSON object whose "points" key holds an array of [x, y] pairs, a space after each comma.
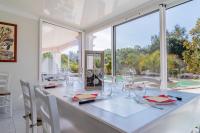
{"points": [[138, 48], [101, 41], [60, 50], [183, 37]]}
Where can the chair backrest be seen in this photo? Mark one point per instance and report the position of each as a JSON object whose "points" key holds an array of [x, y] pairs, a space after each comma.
{"points": [[4, 80], [29, 101], [48, 111]]}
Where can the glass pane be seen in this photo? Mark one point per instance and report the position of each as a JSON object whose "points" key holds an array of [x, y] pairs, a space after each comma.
{"points": [[138, 48], [183, 36], [60, 51], [101, 41]]}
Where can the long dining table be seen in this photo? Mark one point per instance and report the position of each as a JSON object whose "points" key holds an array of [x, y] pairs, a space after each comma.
{"points": [[119, 114]]}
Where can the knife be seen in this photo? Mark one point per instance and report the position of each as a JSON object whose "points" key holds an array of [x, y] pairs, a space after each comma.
{"points": [[86, 101], [178, 98], [91, 100]]}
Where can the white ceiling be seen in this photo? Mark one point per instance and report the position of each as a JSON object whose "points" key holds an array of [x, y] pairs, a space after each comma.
{"points": [[78, 13]]}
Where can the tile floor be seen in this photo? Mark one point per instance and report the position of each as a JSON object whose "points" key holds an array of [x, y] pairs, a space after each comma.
{"points": [[16, 124]]}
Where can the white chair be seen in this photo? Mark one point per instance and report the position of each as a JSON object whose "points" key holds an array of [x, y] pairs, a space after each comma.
{"points": [[5, 94], [51, 121], [31, 116]]}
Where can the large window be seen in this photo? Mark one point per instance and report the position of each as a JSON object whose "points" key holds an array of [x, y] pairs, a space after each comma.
{"points": [[60, 50], [138, 47], [183, 39], [101, 41]]}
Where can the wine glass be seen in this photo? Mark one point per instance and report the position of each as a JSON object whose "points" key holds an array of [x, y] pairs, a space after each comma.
{"points": [[139, 91], [80, 79], [127, 84], [107, 91], [111, 86], [107, 85]]}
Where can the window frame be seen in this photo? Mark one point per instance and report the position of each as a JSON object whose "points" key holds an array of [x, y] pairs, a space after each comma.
{"points": [[163, 58], [163, 42], [161, 8], [114, 37]]}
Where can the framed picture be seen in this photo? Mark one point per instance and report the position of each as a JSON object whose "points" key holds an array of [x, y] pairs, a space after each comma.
{"points": [[8, 42]]}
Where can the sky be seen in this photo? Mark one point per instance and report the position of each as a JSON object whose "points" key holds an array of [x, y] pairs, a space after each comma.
{"points": [[139, 31], [102, 40]]}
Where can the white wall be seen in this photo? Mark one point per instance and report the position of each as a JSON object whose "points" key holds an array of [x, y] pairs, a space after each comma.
{"points": [[26, 66]]}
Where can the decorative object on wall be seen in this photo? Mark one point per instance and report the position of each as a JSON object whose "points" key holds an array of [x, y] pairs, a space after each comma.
{"points": [[94, 69], [8, 42]]}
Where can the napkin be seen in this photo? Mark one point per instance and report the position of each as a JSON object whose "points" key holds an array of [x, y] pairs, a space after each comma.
{"points": [[51, 85], [159, 99], [79, 97]]}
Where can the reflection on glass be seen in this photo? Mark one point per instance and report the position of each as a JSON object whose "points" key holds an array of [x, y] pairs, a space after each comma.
{"points": [[138, 47], [60, 51], [183, 43], [101, 41]]}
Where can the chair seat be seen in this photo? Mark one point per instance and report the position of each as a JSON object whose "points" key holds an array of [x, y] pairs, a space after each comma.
{"points": [[67, 127], [4, 92]]}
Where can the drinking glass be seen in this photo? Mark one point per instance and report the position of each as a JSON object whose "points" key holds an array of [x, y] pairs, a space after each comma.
{"points": [[127, 84], [107, 91], [111, 85], [139, 91], [81, 79]]}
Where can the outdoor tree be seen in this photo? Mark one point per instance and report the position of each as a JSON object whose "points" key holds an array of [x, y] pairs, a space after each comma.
{"points": [[47, 55], [174, 65], [64, 61], [150, 62], [183, 54], [175, 41], [108, 64], [73, 63], [155, 44], [192, 53]]}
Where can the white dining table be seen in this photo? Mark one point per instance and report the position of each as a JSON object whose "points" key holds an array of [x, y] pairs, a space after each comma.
{"points": [[117, 114]]}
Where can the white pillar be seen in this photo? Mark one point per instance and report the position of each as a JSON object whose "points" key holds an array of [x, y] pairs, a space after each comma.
{"points": [[80, 47], [163, 48], [56, 66], [90, 46]]}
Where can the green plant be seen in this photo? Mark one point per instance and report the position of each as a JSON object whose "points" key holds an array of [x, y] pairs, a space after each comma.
{"points": [[74, 67], [47, 55], [64, 61], [192, 53]]}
